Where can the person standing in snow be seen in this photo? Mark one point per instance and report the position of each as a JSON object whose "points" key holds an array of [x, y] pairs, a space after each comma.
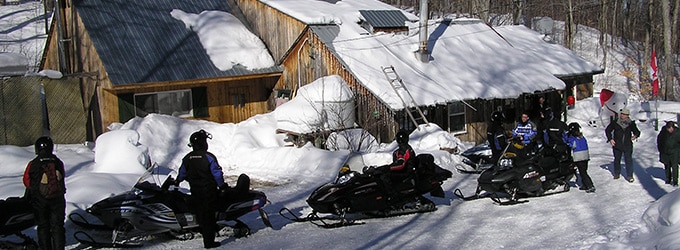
{"points": [[620, 134], [45, 185], [495, 135], [579, 146], [205, 177], [672, 146], [664, 154], [525, 130]]}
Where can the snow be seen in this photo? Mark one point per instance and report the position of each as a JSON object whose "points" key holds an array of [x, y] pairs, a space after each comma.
{"points": [[240, 47], [469, 60], [620, 215]]}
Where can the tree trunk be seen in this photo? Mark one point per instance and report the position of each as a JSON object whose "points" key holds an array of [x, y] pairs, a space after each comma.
{"points": [[603, 32], [481, 8], [569, 25], [667, 72], [518, 6]]}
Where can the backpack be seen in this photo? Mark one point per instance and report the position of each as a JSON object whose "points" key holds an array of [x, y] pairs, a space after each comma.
{"points": [[51, 183]]}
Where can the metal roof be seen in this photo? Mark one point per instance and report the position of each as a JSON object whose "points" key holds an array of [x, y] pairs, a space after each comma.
{"points": [[140, 42], [384, 18]]}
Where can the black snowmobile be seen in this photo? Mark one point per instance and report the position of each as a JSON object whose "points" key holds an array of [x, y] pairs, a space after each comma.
{"points": [[354, 192], [524, 172], [476, 159], [16, 216], [149, 209]]}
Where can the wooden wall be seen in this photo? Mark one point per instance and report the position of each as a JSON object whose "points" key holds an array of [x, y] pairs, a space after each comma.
{"points": [[277, 30], [255, 88]]}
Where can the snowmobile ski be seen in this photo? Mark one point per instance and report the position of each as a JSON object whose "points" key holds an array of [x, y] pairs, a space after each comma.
{"points": [[27, 243], [80, 221], [86, 239], [463, 170], [316, 220]]}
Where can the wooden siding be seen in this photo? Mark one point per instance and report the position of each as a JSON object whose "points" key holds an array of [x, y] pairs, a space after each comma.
{"points": [[220, 92], [82, 61], [277, 30], [310, 59]]}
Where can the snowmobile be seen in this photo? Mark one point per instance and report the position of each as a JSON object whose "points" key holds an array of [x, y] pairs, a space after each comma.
{"points": [[476, 159], [151, 209], [521, 172], [353, 192], [17, 216]]}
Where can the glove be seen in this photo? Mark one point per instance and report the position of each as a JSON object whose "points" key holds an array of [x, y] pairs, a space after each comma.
{"points": [[369, 170]]}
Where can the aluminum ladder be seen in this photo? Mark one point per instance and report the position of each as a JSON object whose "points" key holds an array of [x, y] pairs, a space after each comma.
{"points": [[397, 84]]}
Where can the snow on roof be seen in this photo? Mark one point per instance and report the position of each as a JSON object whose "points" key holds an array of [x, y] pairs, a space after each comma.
{"points": [[329, 11], [469, 59], [557, 59]]}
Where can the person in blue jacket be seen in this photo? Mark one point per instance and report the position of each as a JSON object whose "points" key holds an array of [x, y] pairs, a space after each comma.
{"points": [[580, 154], [205, 177], [525, 130]]}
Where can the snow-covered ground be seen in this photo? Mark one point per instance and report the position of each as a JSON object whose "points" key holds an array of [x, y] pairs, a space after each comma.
{"points": [[620, 215]]}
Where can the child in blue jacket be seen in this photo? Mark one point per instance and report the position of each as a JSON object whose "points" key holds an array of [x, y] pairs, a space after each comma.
{"points": [[581, 156]]}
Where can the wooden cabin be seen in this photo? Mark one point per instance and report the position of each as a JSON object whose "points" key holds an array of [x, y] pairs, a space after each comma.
{"points": [[305, 48], [134, 58]]}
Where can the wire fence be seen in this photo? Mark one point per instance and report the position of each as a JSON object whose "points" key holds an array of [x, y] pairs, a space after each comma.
{"points": [[24, 117]]}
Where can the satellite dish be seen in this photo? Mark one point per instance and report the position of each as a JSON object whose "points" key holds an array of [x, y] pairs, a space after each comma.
{"points": [[544, 25]]}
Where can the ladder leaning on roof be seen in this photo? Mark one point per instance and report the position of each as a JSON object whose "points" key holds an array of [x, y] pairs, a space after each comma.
{"points": [[397, 84]]}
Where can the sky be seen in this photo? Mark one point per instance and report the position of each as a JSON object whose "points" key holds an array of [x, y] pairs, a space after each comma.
{"points": [[619, 215]]}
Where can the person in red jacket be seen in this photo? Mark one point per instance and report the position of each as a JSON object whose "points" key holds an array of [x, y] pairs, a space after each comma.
{"points": [[45, 185], [403, 161]]}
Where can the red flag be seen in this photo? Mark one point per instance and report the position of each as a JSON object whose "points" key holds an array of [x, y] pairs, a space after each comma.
{"points": [[655, 78]]}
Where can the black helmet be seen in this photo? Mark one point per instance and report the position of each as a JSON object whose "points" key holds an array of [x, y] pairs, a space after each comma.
{"points": [[402, 137], [574, 128], [44, 145], [497, 117], [198, 140]]}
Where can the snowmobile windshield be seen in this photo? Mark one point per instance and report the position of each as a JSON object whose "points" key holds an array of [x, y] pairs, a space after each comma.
{"points": [[148, 180], [345, 177], [355, 162]]}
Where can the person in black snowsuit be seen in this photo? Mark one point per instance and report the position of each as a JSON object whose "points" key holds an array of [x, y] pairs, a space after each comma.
{"points": [[665, 154], [45, 185], [205, 177], [555, 135], [496, 136], [403, 161]]}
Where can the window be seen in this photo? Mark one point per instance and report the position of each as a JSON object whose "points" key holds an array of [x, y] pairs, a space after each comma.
{"points": [[457, 119], [175, 103], [239, 100]]}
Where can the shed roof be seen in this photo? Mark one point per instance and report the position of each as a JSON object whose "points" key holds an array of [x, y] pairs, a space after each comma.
{"points": [[140, 42], [384, 18]]}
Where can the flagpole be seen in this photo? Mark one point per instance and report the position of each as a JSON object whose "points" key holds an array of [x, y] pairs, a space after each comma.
{"points": [[656, 107]]}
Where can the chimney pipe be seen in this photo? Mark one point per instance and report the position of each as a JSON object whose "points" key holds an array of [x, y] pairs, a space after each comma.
{"points": [[422, 53]]}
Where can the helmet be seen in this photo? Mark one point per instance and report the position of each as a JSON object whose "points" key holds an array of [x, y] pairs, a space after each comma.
{"points": [[44, 145], [497, 117], [198, 140], [574, 128], [402, 137]]}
